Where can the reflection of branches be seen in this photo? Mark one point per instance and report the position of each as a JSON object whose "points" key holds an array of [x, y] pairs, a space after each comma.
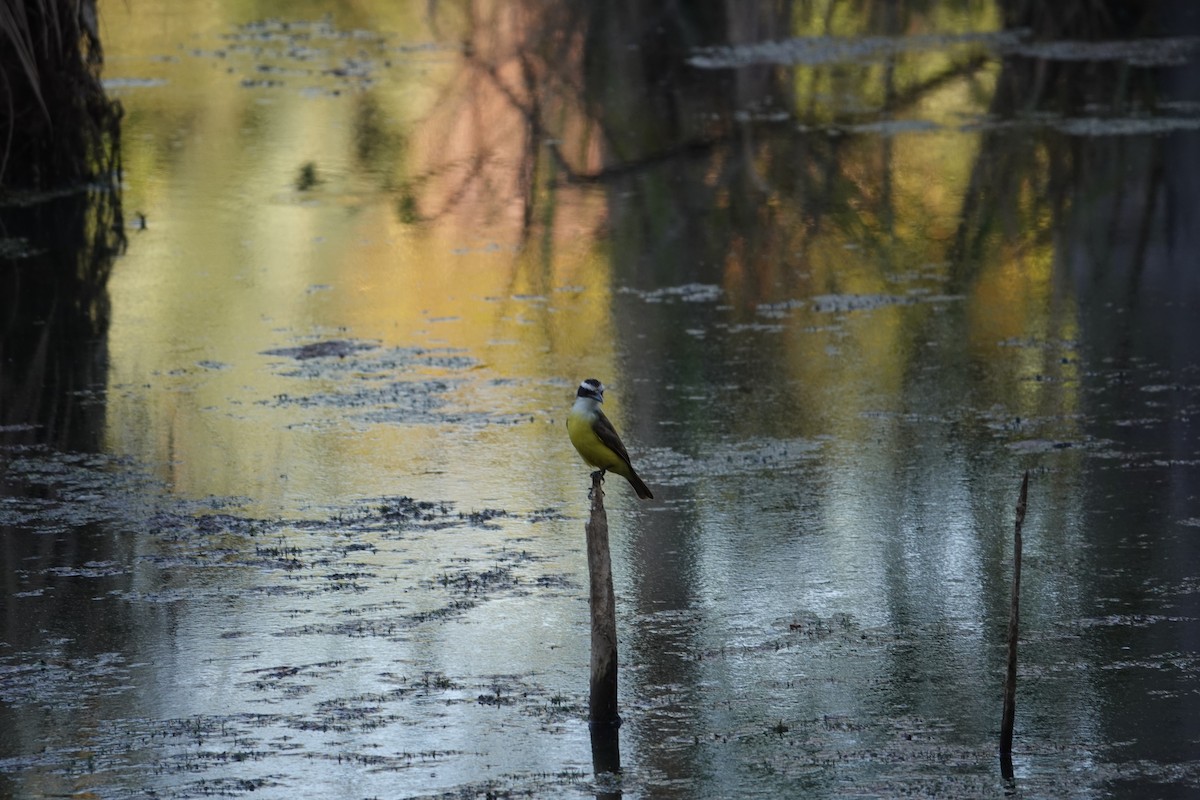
{"points": [[491, 121], [555, 93], [1015, 182], [564, 72], [537, 132], [910, 95], [530, 111], [687, 149]]}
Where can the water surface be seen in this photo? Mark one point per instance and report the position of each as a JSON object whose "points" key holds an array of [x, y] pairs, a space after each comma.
{"points": [[295, 513]]}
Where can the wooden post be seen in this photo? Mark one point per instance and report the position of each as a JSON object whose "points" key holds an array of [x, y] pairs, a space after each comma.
{"points": [[606, 761], [1014, 616], [603, 703]]}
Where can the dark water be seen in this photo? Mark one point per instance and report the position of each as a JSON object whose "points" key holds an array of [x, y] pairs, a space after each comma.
{"points": [[288, 508]]}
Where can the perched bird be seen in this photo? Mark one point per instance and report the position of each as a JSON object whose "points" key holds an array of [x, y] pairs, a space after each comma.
{"points": [[596, 439]]}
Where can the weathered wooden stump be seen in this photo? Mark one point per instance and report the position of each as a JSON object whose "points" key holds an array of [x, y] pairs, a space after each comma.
{"points": [[603, 699]]}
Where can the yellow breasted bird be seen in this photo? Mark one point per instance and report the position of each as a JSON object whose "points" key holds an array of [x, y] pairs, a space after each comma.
{"points": [[596, 439]]}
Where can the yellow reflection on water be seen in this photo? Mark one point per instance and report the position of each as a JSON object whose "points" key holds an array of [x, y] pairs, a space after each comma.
{"points": [[237, 260], [437, 223]]}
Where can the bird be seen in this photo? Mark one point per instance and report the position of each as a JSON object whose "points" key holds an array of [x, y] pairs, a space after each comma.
{"points": [[596, 439]]}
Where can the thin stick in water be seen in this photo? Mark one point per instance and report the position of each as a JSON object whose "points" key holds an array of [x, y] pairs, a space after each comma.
{"points": [[1014, 616]]}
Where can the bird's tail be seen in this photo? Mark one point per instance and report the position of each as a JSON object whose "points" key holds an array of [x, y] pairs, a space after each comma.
{"points": [[639, 486]]}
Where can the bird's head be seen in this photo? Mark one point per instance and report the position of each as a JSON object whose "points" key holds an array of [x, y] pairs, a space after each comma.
{"points": [[591, 388]]}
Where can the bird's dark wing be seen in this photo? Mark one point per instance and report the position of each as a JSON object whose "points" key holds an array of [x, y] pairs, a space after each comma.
{"points": [[608, 434]]}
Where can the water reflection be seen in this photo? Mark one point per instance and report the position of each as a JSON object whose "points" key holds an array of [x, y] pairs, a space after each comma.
{"points": [[56, 315], [851, 270], [59, 239]]}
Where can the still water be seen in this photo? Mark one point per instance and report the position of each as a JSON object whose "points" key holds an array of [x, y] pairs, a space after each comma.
{"points": [[295, 513]]}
